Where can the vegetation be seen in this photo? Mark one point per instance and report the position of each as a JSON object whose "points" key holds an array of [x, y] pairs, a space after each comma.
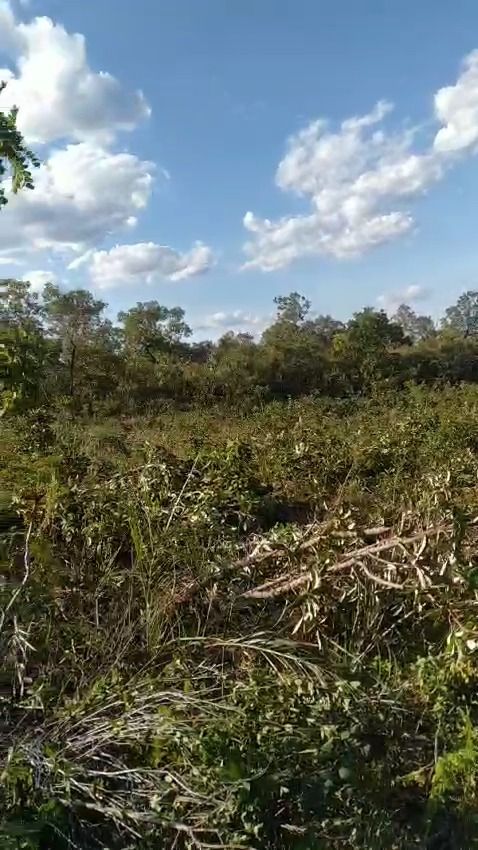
{"points": [[239, 580], [63, 346], [16, 159]]}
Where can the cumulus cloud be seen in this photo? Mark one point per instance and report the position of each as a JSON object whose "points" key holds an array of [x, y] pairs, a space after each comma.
{"points": [[144, 262], [58, 94], [358, 178], [350, 178], [390, 301], [37, 279], [84, 191], [456, 107], [82, 194]]}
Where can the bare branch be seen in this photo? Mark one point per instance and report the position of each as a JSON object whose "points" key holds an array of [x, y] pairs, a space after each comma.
{"points": [[26, 575]]}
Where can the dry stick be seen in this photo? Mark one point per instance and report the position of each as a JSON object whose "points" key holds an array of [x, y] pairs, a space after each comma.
{"points": [[26, 574], [257, 557], [382, 546], [191, 833], [284, 583], [183, 488], [268, 591], [379, 580], [377, 531]]}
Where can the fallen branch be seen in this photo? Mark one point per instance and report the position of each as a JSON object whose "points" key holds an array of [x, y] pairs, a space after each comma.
{"points": [[286, 582], [258, 557]]}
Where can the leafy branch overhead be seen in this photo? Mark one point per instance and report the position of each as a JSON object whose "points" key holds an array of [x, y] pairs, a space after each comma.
{"points": [[16, 159]]}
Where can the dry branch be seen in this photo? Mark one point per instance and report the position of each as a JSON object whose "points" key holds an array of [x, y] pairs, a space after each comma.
{"points": [[287, 582], [26, 575]]}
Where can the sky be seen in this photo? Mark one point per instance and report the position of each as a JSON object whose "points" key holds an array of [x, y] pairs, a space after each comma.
{"points": [[216, 154]]}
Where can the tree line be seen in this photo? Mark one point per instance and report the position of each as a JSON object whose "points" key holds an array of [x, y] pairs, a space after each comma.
{"points": [[61, 348]]}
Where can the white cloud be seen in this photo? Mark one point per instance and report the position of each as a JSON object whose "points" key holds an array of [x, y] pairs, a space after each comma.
{"points": [[144, 262], [390, 301], [456, 107], [415, 292], [316, 157], [279, 243], [358, 178], [233, 320], [351, 178], [57, 93], [38, 278], [9, 261], [82, 194]]}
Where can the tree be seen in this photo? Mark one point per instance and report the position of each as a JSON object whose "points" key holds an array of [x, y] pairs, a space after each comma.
{"points": [[23, 347], [416, 327], [234, 365], [372, 329], [150, 329], [200, 352], [153, 339], [292, 308], [75, 320], [20, 337], [325, 327], [292, 352], [361, 352], [16, 159], [231, 341], [463, 316]]}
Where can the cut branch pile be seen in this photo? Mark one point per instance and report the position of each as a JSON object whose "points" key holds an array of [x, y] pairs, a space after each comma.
{"points": [[357, 559]]}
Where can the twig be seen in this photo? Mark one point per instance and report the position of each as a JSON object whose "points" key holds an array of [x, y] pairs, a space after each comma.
{"points": [[183, 827], [26, 575], [377, 531], [383, 546], [180, 494], [379, 580], [278, 586], [256, 557]]}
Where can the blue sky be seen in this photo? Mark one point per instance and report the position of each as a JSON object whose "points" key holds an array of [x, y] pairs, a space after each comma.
{"points": [[371, 212]]}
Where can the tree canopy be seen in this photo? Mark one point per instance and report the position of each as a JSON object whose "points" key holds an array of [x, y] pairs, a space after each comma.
{"points": [[65, 345], [463, 316]]}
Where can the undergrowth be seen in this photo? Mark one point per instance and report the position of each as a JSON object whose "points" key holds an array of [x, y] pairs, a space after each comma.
{"points": [[228, 631]]}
